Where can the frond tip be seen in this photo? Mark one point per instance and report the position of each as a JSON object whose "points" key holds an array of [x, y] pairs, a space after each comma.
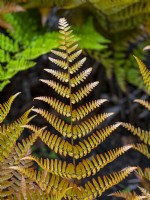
{"points": [[5, 107], [144, 71], [144, 135]]}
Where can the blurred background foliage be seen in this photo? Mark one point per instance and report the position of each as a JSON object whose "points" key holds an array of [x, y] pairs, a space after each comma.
{"points": [[109, 31]]}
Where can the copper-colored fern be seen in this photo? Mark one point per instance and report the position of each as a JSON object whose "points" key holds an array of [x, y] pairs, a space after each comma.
{"points": [[11, 152], [76, 136]]}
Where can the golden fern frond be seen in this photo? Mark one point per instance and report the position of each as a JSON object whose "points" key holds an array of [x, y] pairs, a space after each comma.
{"points": [[78, 130], [5, 107], [83, 92], [59, 106], [62, 76], [144, 103], [10, 133], [59, 124], [142, 148], [84, 110], [53, 141], [62, 175], [75, 67], [144, 71], [60, 63], [142, 134], [45, 180], [87, 145], [145, 173], [95, 188], [127, 195], [57, 87], [63, 147], [88, 125], [22, 148], [89, 191], [80, 77], [84, 169], [87, 167], [145, 193]]}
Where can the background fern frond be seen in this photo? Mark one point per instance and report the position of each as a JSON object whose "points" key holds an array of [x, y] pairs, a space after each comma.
{"points": [[142, 134], [5, 107], [144, 71], [144, 103]]}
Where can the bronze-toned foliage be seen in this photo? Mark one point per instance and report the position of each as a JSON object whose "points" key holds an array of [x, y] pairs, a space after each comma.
{"points": [[12, 152], [75, 136]]}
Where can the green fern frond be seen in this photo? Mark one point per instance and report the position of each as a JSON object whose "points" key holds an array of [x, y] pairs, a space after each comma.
{"points": [[7, 44], [142, 134]]}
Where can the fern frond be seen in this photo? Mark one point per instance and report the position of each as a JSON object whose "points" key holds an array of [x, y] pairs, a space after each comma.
{"points": [[80, 94], [7, 44], [5, 107], [58, 124], [144, 71], [76, 66], [144, 103], [87, 145], [88, 125], [144, 173], [127, 195], [15, 129], [84, 169], [143, 149], [59, 106], [145, 193], [59, 75], [82, 111], [142, 134], [81, 149], [71, 129], [22, 148], [87, 167], [59, 53], [78, 130], [44, 180], [97, 187], [59, 88], [80, 77], [62, 64]]}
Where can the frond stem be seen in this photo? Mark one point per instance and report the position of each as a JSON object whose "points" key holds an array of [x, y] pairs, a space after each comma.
{"points": [[71, 121]]}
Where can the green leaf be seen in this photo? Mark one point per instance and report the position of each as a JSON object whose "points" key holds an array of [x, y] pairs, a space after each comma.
{"points": [[19, 65], [43, 44], [7, 44], [4, 56], [89, 38]]}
